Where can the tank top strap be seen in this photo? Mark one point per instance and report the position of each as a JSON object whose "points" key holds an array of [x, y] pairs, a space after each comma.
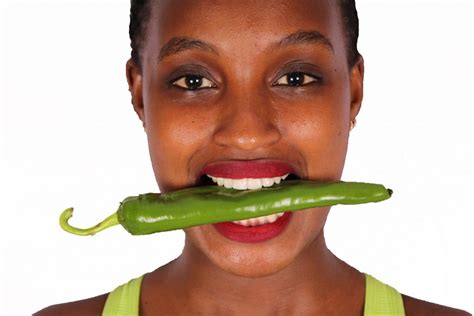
{"points": [[124, 300], [381, 299]]}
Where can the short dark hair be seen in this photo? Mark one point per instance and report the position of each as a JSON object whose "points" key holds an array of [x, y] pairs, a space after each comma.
{"points": [[350, 21], [140, 11]]}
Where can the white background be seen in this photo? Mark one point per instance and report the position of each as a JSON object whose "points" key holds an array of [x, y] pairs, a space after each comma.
{"points": [[69, 137]]}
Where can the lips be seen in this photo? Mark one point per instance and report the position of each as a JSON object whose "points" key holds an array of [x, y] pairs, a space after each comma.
{"points": [[250, 169], [238, 169], [253, 234]]}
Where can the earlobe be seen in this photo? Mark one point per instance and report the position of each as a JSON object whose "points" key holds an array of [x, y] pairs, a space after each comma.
{"points": [[134, 79], [357, 88]]}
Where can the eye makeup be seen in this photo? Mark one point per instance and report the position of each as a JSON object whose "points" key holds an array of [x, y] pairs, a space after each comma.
{"points": [[189, 70], [293, 67], [298, 66]]}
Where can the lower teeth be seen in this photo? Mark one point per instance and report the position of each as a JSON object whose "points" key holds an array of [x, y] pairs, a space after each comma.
{"points": [[259, 220]]}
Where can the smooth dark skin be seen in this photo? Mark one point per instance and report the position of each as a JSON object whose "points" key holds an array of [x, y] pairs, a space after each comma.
{"points": [[245, 117]]}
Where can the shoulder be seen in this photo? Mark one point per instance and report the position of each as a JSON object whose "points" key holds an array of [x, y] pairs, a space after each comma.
{"points": [[414, 306], [92, 306]]}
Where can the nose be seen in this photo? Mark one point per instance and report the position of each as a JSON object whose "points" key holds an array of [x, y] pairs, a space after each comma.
{"points": [[247, 122]]}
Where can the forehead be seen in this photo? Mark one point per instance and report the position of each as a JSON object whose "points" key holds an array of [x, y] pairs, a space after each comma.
{"points": [[244, 24]]}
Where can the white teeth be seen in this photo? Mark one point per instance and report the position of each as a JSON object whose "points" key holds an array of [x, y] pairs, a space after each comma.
{"points": [[253, 184], [247, 183], [239, 184], [259, 220], [228, 183], [245, 222], [267, 182], [253, 221]]}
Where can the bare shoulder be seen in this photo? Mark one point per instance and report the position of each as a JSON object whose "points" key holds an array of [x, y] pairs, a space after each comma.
{"points": [[88, 307], [414, 306]]}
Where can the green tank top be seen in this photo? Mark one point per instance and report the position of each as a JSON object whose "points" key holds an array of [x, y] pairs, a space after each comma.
{"points": [[380, 299]]}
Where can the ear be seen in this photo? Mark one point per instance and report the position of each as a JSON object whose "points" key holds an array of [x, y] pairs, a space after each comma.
{"points": [[134, 79], [357, 87]]}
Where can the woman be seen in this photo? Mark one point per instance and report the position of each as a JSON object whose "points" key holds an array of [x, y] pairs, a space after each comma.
{"points": [[238, 90]]}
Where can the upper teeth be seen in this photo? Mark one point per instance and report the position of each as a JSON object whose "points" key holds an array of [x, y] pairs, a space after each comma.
{"points": [[247, 183]]}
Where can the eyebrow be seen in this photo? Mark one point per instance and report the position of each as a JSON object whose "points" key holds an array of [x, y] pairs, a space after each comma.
{"points": [[179, 44], [303, 37], [183, 43]]}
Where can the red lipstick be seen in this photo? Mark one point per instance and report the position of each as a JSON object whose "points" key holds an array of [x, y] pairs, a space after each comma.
{"points": [[238, 169], [256, 233]]}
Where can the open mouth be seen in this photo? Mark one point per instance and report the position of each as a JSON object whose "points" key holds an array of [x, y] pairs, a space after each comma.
{"points": [[249, 184], [252, 229]]}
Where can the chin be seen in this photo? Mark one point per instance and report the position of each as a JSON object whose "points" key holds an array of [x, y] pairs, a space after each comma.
{"points": [[252, 265]]}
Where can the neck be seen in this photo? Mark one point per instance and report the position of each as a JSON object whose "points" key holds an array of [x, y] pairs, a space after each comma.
{"points": [[315, 281]]}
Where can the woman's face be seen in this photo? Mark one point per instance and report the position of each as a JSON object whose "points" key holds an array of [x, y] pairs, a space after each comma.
{"points": [[247, 105]]}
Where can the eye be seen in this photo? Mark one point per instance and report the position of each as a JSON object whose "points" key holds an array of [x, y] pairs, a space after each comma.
{"points": [[295, 79], [193, 82]]}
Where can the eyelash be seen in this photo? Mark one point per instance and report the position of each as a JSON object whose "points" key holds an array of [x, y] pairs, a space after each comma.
{"points": [[183, 77], [315, 79]]}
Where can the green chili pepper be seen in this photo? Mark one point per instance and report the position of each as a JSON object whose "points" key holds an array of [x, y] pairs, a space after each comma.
{"points": [[152, 212]]}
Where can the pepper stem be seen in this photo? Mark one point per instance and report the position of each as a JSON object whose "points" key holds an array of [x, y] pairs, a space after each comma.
{"points": [[112, 220]]}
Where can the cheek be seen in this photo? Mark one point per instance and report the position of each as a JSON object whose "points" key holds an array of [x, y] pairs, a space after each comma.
{"points": [[324, 145], [173, 137], [319, 130]]}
